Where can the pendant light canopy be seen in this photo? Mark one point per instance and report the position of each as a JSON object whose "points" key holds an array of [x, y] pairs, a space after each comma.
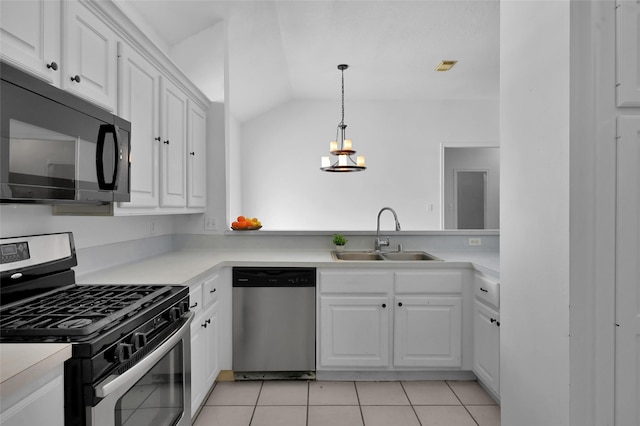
{"points": [[342, 148]]}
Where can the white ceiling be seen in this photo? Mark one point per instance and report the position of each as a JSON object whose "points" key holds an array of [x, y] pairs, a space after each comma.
{"points": [[290, 49]]}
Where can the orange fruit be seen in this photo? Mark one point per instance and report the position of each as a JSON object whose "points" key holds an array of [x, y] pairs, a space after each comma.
{"points": [[242, 225], [241, 219]]}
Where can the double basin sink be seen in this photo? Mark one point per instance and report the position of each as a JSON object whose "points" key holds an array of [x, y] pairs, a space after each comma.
{"points": [[382, 256]]}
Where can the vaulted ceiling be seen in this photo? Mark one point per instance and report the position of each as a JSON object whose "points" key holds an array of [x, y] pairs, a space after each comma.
{"points": [[284, 50]]}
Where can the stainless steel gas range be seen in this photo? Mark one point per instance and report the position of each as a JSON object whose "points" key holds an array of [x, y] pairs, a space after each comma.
{"points": [[130, 361]]}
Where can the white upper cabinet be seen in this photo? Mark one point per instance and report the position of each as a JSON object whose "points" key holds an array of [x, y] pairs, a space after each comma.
{"points": [[89, 56], [139, 98], [89, 49], [173, 155], [628, 53], [197, 196], [30, 36]]}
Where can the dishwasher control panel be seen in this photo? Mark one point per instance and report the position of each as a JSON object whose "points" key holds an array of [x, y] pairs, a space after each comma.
{"points": [[274, 277]]}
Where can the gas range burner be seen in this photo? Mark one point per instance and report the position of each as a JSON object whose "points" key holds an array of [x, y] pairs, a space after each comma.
{"points": [[75, 323], [78, 310]]}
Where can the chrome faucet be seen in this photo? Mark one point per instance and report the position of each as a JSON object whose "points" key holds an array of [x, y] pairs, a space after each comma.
{"points": [[385, 242]]}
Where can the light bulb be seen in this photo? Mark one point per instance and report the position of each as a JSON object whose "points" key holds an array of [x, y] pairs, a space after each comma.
{"points": [[325, 162], [360, 160]]}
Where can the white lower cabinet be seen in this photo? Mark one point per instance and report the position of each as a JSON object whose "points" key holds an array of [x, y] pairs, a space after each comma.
{"points": [[44, 406], [486, 333], [387, 320], [205, 331], [486, 345], [354, 331], [427, 331]]}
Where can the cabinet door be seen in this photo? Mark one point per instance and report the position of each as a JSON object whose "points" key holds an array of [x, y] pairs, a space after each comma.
{"points": [[211, 346], [486, 345], [30, 36], [627, 350], [197, 182], [139, 92], [628, 53], [173, 155], [89, 67], [198, 363], [428, 331], [354, 331]]}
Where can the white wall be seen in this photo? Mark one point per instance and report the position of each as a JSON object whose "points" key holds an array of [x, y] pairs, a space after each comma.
{"points": [[206, 67], [26, 219], [534, 245], [281, 179]]}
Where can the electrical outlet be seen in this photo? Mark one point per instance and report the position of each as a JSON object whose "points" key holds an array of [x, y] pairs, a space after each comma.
{"points": [[475, 241], [210, 223], [153, 227]]}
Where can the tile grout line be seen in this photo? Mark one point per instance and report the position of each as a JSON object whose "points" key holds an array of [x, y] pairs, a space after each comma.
{"points": [[410, 403], [462, 403], [355, 385], [255, 406], [308, 400]]}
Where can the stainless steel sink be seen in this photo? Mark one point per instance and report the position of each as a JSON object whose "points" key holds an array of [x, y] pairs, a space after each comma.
{"points": [[409, 255], [357, 255], [377, 256]]}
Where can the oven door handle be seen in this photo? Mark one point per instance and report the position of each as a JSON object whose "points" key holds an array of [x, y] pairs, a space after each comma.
{"points": [[112, 383]]}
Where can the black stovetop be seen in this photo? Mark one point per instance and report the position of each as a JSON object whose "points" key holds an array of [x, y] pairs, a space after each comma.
{"points": [[77, 310]]}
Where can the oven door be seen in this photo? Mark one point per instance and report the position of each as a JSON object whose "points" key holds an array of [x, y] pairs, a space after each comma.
{"points": [[154, 392]]}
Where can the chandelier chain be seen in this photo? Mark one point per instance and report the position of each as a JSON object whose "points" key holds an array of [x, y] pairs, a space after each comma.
{"points": [[342, 122]]}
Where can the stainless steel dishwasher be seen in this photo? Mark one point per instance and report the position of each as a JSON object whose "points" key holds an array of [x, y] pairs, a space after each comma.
{"points": [[274, 327]]}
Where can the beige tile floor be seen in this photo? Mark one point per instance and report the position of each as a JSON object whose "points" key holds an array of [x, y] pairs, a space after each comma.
{"points": [[302, 403]]}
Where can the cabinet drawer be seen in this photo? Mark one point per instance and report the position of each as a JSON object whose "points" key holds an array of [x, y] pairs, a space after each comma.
{"points": [[210, 289], [428, 282], [487, 290], [355, 282], [195, 299]]}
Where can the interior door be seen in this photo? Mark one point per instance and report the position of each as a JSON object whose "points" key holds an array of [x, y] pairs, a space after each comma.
{"points": [[627, 358], [471, 205]]}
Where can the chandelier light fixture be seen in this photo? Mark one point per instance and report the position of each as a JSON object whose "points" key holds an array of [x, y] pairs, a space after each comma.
{"points": [[342, 148]]}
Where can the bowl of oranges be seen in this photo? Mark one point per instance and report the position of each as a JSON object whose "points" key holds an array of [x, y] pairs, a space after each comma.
{"points": [[243, 223]]}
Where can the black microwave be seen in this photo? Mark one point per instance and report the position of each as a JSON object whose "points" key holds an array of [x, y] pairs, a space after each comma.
{"points": [[57, 148]]}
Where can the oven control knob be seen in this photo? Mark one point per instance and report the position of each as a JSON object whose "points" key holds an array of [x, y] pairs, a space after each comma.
{"points": [[175, 313], [138, 340], [122, 352], [184, 306]]}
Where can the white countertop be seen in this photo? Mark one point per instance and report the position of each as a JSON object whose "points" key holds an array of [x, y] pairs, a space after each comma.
{"points": [[183, 266], [22, 363]]}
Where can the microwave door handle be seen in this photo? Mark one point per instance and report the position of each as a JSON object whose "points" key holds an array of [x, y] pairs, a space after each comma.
{"points": [[106, 129]]}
